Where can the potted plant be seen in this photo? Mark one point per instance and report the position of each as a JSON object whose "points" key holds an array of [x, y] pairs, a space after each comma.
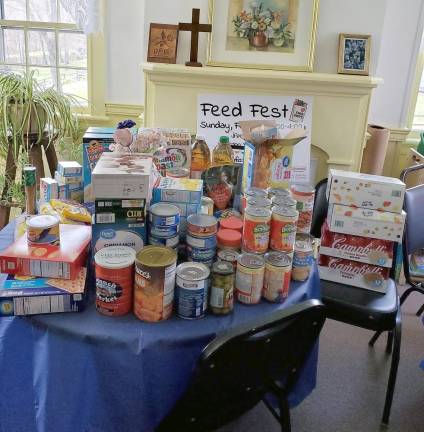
{"points": [[281, 35]]}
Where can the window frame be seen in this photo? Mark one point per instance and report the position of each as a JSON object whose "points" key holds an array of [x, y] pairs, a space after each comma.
{"points": [[415, 90]]}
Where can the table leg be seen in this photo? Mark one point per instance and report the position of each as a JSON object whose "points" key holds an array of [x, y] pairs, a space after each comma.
{"points": [[51, 157], [36, 159], [9, 176]]}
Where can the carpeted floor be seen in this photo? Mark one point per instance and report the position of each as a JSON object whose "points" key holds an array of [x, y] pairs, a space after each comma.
{"points": [[352, 380]]}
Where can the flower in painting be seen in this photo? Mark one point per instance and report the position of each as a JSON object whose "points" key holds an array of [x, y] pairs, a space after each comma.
{"points": [[262, 26], [254, 25]]}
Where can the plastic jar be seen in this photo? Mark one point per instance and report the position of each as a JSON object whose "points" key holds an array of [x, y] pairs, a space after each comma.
{"points": [[221, 300]]}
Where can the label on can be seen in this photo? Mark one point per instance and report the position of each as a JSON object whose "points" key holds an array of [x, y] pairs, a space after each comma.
{"points": [[283, 229], [165, 231], [191, 298], [168, 242], [277, 277], [200, 254], [256, 229], [43, 229], [201, 243], [249, 283]]}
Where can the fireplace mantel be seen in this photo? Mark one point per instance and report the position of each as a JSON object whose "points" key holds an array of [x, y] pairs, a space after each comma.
{"points": [[340, 107]]}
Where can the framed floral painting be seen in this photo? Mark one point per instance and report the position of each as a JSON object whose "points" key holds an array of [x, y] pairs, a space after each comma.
{"points": [[263, 34]]}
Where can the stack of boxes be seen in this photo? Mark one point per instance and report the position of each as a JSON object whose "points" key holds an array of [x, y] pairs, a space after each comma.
{"points": [[365, 219], [122, 185]]}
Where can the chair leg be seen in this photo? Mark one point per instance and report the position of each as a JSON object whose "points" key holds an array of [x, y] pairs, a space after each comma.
{"points": [[284, 415], [420, 310], [374, 338], [389, 344], [408, 291], [393, 370]]}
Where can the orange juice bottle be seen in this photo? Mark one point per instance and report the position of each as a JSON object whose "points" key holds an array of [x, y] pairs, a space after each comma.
{"points": [[200, 157], [223, 153]]}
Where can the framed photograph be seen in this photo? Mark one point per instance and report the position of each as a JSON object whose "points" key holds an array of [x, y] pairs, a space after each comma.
{"points": [[263, 34], [354, 54], [163, 43]]}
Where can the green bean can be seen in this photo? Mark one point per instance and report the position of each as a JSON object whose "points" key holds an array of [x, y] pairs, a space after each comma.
{"points": [[221, 300]]}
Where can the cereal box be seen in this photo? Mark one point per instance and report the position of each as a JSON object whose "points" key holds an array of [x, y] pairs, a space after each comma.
{"points": [[25, 295], [69, 168], [365, 190], [45, 260], [178, 150], [49, 189], [353, 273], [366, 223], [131, 235], [356, 248], [173, 190], [124, 175]]}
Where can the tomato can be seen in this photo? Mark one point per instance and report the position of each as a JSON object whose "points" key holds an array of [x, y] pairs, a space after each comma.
{"points": [[278, 266], [284, 202], [43, 229], [192, 287], [249, 278], [256, 228], [114, 271], [250, 193], [283, 229], [305, 196], [200, 225], [154, 283], [303, 257], [278, 193]]}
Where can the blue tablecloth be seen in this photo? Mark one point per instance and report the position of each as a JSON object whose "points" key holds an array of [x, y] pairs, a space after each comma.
{"points": [[86, 372]]}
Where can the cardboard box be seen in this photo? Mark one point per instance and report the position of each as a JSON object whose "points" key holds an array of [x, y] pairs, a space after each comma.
{"points": [[356, 248], [178, 149], [68, 180], [366, 223], [29, 295], [120, 211], [365, 191], [69, 168], [49, 189], [172, 190], [70, 191], [353, 273], [132, 235], [63, 262]]}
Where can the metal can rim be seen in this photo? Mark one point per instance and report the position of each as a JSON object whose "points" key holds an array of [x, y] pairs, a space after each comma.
{"points": [[172, 258], [99, 257], [173, 210], [200, 266]]}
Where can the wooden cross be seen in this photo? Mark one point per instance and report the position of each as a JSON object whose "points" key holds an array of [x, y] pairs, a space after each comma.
{"points": [[195, 28]]}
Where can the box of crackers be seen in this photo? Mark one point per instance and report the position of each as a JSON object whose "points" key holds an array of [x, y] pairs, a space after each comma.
{"points": [[365, 191], [46, 260], [26, 295]]}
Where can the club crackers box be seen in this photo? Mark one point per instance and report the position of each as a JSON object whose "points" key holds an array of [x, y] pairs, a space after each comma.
{"points": [[25, 295], [95, 142], [120, 211], [365, 191]]}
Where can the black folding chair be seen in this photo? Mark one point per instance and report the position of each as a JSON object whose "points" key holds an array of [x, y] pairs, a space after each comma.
{"points": [[239, 368], [359, 307]]}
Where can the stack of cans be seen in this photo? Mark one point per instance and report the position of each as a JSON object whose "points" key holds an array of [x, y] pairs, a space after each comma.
{"points": [[164, 225], [201, 238]]}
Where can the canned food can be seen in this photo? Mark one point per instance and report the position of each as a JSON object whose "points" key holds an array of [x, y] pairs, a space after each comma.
{"points": [[165, 232], [259, 202], [232, 223], [192, 286], [200, 254], [207, 263], [256, 228], [305, 196], [303, 257], [252, 192], [278, 266], [274, 193], [154, 283], [221, 299], [160, 241], [114, 272], [229, 255], [164, 215], [43, 229], [250, 278], [284, 202], [227, 213], [178, 173], [207, 206], [201, 242], [283, 229], [200, 225]]}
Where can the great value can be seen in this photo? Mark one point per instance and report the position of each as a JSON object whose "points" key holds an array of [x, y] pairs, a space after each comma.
{"points": [[278, 267], [192, 286], [201, 242], [164, 220], [160, 241], [256, 228], [43, 229], [249, 278], [305, 196], [283, 229], [114, 271], [154, 283]]}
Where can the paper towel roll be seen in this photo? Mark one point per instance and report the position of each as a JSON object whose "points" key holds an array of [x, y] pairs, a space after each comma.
{"points": [[375, 150]]}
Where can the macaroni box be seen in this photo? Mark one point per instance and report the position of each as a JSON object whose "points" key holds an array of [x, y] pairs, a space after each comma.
{"points": [[69, 168], [49, 189], [361, 249], [173, 190], [366, 223], [23, 295], [353, 273], [120, 211], [365, 191]]}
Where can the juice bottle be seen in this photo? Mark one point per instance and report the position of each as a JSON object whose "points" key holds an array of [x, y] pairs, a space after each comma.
{"points": [[223, 153], [200, 157]]}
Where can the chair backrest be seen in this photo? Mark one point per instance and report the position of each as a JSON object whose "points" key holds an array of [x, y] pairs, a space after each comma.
{"points": [[237, 368], [414, 228], [320, 208]]}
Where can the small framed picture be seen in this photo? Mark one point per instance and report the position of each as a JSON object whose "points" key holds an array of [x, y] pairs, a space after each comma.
{"points": [[354, 54], [163, 43]]}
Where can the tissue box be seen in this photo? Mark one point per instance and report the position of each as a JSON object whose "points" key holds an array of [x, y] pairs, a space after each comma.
{"points": [[361, 249], [187, 191], [353, 273], [366, 191], [120, 211], [69, 168], [366, 223], [49, 189]]}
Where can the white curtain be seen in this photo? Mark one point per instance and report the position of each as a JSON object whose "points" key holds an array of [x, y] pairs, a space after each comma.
{"points": [[88, 14]]}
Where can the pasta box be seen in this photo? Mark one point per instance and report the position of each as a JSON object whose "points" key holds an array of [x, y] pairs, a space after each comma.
{"points": [[25, 295], [365, 191], [356, 248], [46, 260], [366, 222], [174, 190], [353, 273]]}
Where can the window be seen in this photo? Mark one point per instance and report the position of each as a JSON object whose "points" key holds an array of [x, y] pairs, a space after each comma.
{"points": [[418, 118], [43, 36]]}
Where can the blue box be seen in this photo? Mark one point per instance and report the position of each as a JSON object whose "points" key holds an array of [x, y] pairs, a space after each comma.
{"points": [[173, 190], [248, 166], [69, 168]]}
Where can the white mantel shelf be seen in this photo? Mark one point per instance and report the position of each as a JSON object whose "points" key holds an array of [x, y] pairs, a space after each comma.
{"points": [[340, 107]]}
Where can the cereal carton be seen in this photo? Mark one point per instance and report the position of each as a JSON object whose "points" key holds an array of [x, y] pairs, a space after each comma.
{"points": [[173, 190], [119, 234], [356, 248], [177, 153], [365, 191], [353, 273], [366, 223]]}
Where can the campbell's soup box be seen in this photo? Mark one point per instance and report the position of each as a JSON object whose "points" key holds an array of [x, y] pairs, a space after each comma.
{"points": [[356, 248], [353, 273], [365, 191]]}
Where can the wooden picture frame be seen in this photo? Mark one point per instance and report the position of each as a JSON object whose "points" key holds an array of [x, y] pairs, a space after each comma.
{"points": [[354, 54], [163, 43]]}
